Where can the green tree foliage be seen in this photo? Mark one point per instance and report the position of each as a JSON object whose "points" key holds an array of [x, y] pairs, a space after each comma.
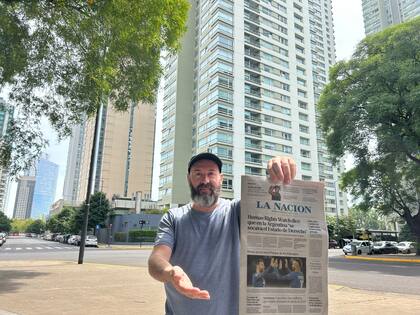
{"points": [[21, 225], [371, 109], [62, 59], [37, 227], [405, 234], [63, 222], [369, 219], [5, 223], [344, 227], [99, 210]]}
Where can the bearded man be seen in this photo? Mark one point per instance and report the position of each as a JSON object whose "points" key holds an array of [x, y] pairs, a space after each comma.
{"points": [[196, 253]]}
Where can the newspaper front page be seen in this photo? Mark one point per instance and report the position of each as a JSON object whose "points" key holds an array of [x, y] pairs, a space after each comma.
{"points": [[284, 248]]}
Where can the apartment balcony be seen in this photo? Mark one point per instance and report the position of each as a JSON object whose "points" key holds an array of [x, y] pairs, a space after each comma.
{"points": [[255, 120], [251, 160], [252, 146]]}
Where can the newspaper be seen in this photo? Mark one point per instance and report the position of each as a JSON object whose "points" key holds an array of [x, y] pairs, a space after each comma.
{"points": [[284, 249]]}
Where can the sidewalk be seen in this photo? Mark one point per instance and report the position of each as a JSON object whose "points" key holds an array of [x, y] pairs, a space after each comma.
{"points": [[56, 287]]}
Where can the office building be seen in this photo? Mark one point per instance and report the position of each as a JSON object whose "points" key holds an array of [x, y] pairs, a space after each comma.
{"points": [[379, 14], [124, 162], [244, 86], [24, 197], [5, 114], [45, 188], [74, 155]]}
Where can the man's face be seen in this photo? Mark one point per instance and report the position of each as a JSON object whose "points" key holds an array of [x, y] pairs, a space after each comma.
{"points": [[260, 266], [205, 182]]}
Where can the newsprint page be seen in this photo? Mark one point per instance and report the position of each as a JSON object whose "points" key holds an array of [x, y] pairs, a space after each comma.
{"points": [[284, 253]]}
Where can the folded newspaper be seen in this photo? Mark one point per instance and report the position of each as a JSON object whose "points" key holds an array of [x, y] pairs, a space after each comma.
{"points": [[284, 249]]}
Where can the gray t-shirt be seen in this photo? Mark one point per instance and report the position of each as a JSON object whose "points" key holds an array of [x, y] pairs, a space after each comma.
{"points": [[206, 246]]}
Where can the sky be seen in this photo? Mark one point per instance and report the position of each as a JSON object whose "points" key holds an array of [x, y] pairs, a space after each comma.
{"points": [[348, 26]]}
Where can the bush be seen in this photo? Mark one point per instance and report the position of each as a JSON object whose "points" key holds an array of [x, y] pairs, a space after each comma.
{"points": [[120, 237], [141, 235]]}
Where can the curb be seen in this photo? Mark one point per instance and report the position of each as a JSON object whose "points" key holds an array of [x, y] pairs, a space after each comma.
{"points": [[384, 259], [125, 248]]}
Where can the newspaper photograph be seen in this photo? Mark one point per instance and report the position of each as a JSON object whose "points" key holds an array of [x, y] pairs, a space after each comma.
{"points": [[284, 248]]}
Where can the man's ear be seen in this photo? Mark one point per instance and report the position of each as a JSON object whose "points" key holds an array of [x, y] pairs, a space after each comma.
{"points": [[221, 178]]}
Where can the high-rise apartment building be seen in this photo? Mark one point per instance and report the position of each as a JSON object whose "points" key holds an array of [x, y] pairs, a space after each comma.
{"points": [[379, 14], [244, 86], [24, 197], [74, 156], [45, 188], [5, 113], [124, 162]]}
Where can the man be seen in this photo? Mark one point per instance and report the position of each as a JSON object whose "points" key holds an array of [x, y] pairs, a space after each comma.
{"points": [[295, 276], [258, 280], [274, 191], [196, 252]]}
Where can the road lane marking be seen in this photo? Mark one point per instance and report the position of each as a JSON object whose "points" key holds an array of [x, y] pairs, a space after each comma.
{"points": [[38, 247], [8, 248], [47, 247], [58, 247], [18, 248], [28, 247]]}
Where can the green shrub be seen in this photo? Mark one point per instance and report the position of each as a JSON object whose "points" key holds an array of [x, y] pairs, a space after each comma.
{"points": [[141, 235], [120, 237]]}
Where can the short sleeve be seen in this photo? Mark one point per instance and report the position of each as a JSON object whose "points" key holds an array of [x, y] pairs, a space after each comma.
{"points": [[166, 232]]}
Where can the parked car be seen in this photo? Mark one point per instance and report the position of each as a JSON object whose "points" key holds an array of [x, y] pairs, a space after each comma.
{"points": [[73, 239], [332, 244], [362, 247], [384, 247], [91, 240], [406, 247], [2, 238]]}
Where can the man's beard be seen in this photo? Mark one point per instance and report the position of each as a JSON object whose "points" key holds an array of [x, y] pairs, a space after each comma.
{"points": [[204, 200]]}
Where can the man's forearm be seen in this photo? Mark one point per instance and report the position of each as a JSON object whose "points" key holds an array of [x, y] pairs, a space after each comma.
{"points": [[160, 268]]}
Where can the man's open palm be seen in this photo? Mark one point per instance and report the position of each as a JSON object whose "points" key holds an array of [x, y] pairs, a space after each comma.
{"points": [[183, 285]]}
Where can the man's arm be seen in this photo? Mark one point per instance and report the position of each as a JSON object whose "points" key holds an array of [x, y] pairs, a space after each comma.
{"points": [[161, 269]]}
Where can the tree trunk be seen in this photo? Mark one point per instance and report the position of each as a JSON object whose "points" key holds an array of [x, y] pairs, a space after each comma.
{"points": [[418, 245]]}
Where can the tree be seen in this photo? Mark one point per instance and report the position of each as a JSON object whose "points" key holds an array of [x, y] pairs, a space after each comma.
{"points": [[62, 222], [5, 223], [37, 227], [344, 228], [371, 109], [63, 59], [20, 225], [370, 219], [99, 210], [405, 234]]}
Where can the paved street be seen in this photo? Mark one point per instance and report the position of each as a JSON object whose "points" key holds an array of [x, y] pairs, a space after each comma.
{"points": [[395, 277]]}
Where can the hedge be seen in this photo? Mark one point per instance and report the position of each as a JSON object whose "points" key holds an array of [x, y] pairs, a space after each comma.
{"points": [[141, 235], [120, 237]]}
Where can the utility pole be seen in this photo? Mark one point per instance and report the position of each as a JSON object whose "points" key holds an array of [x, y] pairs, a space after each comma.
{"points": [[90, 182]]}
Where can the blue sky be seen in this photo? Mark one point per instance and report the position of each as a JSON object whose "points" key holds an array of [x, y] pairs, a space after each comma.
{"points": [[348, 25]]}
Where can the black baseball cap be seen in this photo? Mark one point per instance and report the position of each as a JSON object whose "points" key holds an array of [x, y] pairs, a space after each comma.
{"points": [[205, 156]]}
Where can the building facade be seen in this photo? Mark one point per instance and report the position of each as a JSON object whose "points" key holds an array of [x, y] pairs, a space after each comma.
{"points": [[45, 188], [245, 87], [379, 14], [5, 115], [124, 161], [24, 197], [74, 155]]}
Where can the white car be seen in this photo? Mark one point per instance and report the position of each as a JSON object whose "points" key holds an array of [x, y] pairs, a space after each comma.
{"points": [[362, 247], [73, 239], [91, 240], [406, 247]]}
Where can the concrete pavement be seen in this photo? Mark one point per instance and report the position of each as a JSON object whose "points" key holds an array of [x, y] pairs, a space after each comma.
{"points": [[57, 287]]}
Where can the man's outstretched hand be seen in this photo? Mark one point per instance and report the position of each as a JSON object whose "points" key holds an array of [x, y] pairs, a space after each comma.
{"points": [[183, 285], [281, 169]]}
